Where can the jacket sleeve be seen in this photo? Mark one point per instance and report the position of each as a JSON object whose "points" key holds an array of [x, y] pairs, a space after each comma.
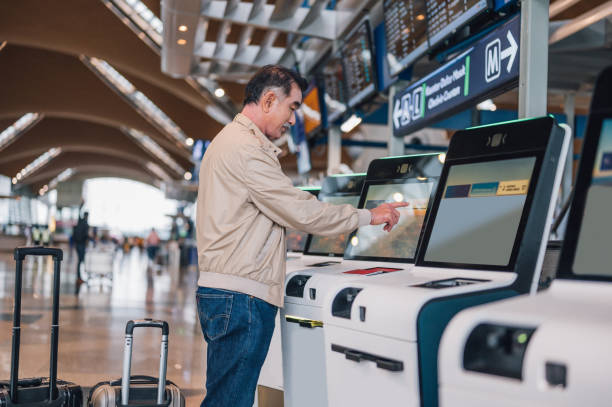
{"points": [[272, 192]]}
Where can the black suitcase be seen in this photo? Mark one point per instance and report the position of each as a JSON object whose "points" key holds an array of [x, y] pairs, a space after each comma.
{"points": [[40, 391], [141, 391]]}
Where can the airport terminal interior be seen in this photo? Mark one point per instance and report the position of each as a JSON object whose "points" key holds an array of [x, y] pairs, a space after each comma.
{"points": [[492, 119]]}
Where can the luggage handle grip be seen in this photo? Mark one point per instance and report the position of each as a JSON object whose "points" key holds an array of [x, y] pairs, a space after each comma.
{"points": [[21, 252], [127, 358], [147, 322], [19, 255]]}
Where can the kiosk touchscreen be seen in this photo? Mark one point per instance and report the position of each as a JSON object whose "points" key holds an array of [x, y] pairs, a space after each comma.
{"points": [[296, 239], [484, 240], [553, 348], [373, 254], [321, 251]]}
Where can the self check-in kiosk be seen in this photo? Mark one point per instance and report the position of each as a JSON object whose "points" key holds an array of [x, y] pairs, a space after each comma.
{"points": [[373, 254], [319, 251], [484, 241], [553, 348]]}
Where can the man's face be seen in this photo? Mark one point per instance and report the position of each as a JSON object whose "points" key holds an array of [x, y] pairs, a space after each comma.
{"points": [[280, 111]]}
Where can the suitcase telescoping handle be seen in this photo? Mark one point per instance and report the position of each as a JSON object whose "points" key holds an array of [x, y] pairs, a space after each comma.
{"points": [[127, 358], [19, 254]]}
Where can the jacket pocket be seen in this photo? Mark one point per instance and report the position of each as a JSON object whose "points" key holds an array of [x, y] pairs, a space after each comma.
{"points": [[214, 311]]}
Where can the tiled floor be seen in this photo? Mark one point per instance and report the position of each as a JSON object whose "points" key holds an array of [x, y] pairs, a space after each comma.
{"points": [[92, 322]]}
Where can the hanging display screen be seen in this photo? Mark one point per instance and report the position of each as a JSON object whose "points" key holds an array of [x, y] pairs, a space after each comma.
{"points": [[405, 32], [358, 64], [335, 93]]}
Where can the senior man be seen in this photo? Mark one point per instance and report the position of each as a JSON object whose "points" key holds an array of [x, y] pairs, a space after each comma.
{"points": [[245, 202]]}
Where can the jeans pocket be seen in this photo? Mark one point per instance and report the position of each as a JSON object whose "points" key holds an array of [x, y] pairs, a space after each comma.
{"points": [[214, 311]]}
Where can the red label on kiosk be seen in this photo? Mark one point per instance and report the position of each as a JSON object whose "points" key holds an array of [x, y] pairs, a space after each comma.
{"points": [[372, 271]]}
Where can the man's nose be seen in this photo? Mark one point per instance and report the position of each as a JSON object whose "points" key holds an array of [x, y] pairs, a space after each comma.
{"points": [[292, 119]]}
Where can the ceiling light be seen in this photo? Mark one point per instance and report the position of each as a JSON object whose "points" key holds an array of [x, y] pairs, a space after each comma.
{"points": [[14, 180], [61, 177], [182, 28], [487, 105], [14, 130], [420, 17], [188, 175], [143, 104], [219, 92], [39, 162], [189, 141], [181, 41], [152, 147], [350, 123]]}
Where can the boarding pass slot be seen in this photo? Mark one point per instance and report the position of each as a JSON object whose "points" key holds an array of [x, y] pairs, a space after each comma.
{"points": [[359, 356], [324, 264], [450, 282]]}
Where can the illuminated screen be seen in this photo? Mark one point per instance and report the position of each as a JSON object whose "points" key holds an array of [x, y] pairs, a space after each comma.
{"points": [[296, 240], [335, 95], [593, 254], [336, 244], [358, 65], [312, 111], [401, 242], [446, 16], [480, 212], [405, 31]]}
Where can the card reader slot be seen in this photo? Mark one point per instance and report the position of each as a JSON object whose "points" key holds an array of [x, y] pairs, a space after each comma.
{"points": [[303, 322], [450, 282], [358, 356]]}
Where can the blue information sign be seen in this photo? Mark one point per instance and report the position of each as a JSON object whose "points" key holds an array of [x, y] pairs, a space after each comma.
{"points": [[487, 66]]}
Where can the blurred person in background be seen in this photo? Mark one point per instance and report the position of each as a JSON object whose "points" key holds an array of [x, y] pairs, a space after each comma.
{"points": [[152, 245], [80, 236]]}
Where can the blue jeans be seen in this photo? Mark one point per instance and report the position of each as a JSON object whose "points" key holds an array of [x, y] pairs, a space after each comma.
{"points": [[237, 328]]}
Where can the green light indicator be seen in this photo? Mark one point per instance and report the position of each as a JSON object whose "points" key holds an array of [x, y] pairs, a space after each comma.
{"points": [[522, 338]]}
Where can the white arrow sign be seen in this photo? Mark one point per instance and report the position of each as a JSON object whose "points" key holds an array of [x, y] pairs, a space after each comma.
{"points": [[510, 51], [397, 113]]}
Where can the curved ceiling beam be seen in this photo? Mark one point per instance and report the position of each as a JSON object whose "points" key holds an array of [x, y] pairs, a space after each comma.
{"points": [[34, 80], [73, 159], [192, 121], [75, 135], [89, 28], [85, 172]]}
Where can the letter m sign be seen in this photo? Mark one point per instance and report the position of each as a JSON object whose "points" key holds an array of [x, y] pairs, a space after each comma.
{"points": [[493, 60]]}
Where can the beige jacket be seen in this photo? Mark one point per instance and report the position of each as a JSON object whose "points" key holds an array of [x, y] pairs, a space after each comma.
{"points": [[245, 202]]}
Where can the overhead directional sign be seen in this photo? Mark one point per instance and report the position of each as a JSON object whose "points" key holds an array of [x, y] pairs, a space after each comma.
{"points": [[487, 67]]}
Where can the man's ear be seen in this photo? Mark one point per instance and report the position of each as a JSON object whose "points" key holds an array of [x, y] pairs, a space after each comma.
{"points": [[267, 101]]}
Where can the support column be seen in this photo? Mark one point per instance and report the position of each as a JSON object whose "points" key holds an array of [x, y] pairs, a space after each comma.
{"points": [[569, 108], [395, 145], [334, 149], [533, 75]]}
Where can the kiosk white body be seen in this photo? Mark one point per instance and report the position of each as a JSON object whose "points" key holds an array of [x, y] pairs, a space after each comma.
{"points": [[381, 338], [566, 361]]}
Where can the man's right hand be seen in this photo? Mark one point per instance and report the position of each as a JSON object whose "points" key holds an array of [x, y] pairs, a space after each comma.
{"points": [[388, 214]]}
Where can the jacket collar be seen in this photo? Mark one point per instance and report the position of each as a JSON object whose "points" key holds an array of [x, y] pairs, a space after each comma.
{"points": [[265, 143]]}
